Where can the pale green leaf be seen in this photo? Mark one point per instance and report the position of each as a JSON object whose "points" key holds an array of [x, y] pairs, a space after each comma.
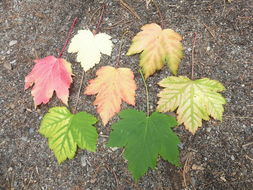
{"points": [[195, 100], [65, 131]]}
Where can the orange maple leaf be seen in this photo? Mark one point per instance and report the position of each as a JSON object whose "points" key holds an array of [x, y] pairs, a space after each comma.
{"points": [[112, 86], [48, 75], [157, 47]]}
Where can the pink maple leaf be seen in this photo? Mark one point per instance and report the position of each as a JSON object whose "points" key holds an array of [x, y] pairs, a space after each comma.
{"points": [[48, 75]]}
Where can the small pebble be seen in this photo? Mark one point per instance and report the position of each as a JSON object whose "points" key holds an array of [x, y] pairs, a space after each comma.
{"points": [[83, 161], [13, 62], [208, 129], [12, 106], [114, 41], [208, 48], [7, 65], [13, 42], [114, 149], [10, 169], [181, 145], [228, 99], [193, 181], [24, 138], [31, 130], [232, 157], [197, 167]]}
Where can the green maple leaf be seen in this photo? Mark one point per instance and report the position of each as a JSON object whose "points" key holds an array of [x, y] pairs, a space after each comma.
{"points": [[195, 100], [144, 138], [65, 131]]}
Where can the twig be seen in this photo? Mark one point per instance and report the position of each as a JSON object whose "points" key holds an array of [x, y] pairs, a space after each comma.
{"points": [[224, 7], [146, 89], [115, 176], [185, 171], [238, 117], [246, 156], [78, 94], [193, 49], [207, 27], [247, 144], [121, 22], [120, 47], [94, 13], [160, 14], [131, 10], [68, 37], [100, 20]]}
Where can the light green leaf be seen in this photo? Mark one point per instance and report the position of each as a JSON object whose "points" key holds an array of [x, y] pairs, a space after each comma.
{"points": [[144, 138], [195, 100], [65, 131]]}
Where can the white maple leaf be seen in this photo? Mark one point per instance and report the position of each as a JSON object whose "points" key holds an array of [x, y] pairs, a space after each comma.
{"points": [[89, 47]]}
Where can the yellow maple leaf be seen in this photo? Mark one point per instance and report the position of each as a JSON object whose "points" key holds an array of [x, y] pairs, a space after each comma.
{"points": [[194, 100], [89, 47], [112, 86], [158, 47]]}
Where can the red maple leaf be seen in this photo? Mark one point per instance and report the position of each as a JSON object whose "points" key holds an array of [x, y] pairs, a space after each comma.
{"points": [[48, 75]]}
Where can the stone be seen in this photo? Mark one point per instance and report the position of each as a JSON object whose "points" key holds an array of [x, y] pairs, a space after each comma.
{"points": [[13, 42]]}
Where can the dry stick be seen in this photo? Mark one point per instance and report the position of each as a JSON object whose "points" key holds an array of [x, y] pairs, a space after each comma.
{"points": [[116, 24], [238, 117], [93, 15], [95, 32], [245, 145], [131, 10], [115, 176], [100, 20], [193, 49], [160, 15], [68, 38], [120, 47], [79, 91], [146, 88], [246, 156]]}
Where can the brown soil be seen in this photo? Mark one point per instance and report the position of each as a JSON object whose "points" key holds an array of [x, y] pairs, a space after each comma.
{"points": [[218, 157]]}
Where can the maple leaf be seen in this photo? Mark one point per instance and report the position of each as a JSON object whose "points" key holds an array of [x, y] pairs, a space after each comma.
{"points": [[158, 47], [65, 131], [89, 47], [195, 100], [112, 86], [144, 138], [48, 75]]}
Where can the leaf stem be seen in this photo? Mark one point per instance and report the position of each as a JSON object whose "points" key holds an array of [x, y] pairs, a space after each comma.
{"points": [[100, 20], [78, 94], [146, 89], [68, 37], [193, 51], [95, 32], [160, 14]]}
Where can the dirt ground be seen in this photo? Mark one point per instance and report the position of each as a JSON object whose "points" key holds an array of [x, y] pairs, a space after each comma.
{"points": [[218, 157]]}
